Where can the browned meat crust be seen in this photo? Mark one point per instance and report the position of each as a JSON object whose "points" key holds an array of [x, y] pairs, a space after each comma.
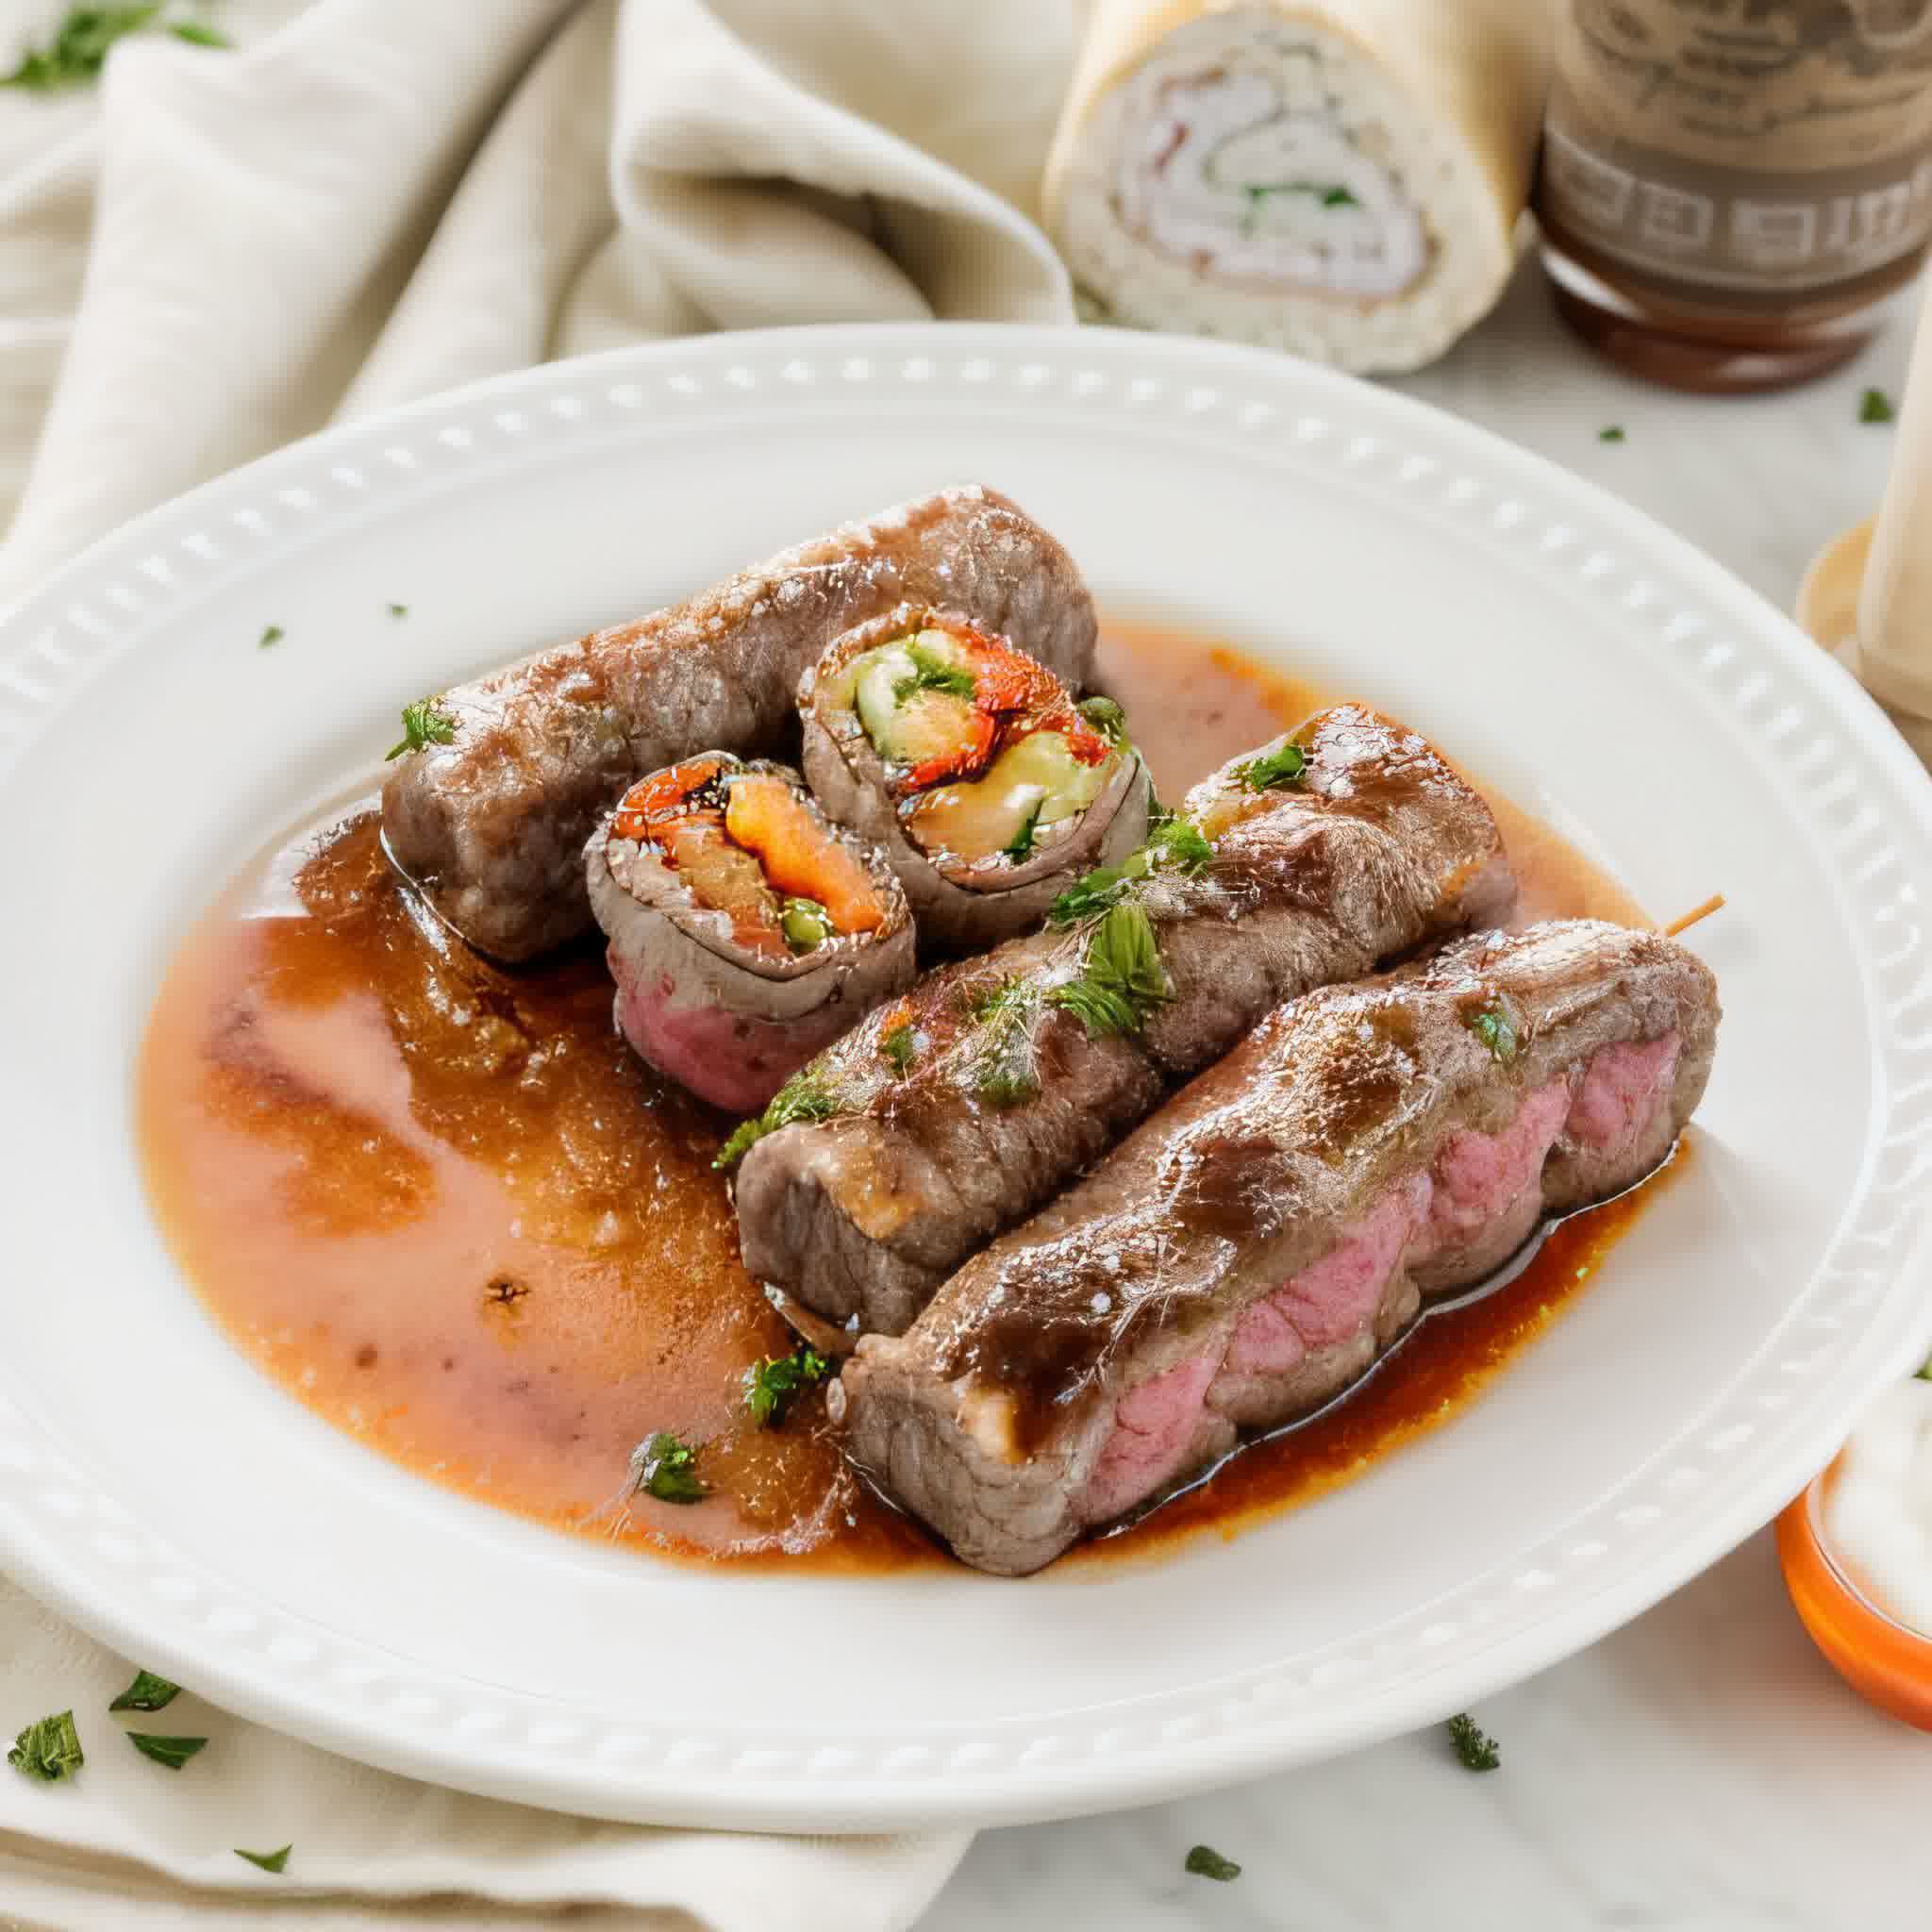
{"points": [[493, 824], [1378, 848], [988, 1417]]}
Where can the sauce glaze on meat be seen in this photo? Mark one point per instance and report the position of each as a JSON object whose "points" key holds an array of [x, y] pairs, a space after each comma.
{"points": [[444, 1206]]}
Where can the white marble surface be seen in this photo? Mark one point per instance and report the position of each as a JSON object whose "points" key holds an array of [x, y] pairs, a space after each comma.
{"points": [[1702, 1770]]}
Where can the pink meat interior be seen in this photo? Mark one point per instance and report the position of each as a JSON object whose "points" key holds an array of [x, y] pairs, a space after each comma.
{"points": [[1477, 1181], [731, 1059]]}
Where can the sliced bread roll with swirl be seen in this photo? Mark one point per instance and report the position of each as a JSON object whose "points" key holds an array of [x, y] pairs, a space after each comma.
{"points": [[1340, 178]]}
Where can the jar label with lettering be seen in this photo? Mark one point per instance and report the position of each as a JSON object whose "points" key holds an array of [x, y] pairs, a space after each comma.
{"points": [[1747, 147]]}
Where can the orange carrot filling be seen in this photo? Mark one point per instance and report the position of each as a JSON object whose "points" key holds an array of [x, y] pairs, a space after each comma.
{"points": [[767, 817], [746, 843]]}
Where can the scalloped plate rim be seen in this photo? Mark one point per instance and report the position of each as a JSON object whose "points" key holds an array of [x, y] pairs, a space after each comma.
{"points": [[252, 1686]]}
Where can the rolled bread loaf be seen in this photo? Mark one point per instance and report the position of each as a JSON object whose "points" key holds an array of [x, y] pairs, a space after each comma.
{"points": [[1340, 178]]}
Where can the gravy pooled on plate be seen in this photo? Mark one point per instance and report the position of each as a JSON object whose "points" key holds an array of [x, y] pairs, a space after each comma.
{"points": [[444, 1206]]}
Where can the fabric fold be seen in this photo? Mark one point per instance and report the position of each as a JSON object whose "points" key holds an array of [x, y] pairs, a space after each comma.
{"points": [[363, 203], [212, 252]]}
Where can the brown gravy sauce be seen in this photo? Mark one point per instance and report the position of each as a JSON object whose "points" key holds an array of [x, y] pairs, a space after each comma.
{"points": [[444, 1206]]}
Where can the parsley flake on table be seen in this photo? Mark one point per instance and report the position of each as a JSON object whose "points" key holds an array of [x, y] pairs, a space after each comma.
{"points": [[771, 1385], [173, 1752], [663, 1467], [1612, 432], [1203, 1861], [399, 610], [268, 1861], [1875, 405], [147, 1692], [271, 634], [423, 725], [48, 1749], [1475, 1748], [81, 43]]}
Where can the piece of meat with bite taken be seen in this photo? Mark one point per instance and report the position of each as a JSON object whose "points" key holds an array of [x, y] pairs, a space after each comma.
{"points": [[492, 824], [1374, 847], [1251, 1249]]}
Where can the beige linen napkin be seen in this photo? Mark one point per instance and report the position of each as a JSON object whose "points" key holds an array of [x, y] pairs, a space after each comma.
{"points": [[365, 201], [371, 200], [126, 1845]]}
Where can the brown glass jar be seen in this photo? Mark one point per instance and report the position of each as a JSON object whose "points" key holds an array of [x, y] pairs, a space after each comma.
{"points": [[1730, 190]]}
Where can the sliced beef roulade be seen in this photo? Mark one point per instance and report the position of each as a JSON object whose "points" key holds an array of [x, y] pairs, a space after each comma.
{"points": [[745, 931], [489, 814], [1263, 1238], [969, 762], [957, 1112]]}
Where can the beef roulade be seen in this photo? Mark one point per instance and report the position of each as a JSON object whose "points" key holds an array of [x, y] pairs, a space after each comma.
{"points": [[745, 931], [489, 811], [988, 788]]}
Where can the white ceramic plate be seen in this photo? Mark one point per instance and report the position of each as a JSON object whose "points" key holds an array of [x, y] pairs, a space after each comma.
{"points": [[170, 1499]]}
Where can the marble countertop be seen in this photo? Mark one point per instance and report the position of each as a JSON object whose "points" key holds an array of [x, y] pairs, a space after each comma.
{"points": [[1702, 1770]]}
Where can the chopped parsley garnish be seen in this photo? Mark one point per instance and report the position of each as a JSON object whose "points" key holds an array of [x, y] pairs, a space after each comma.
{"points": [[806, 923], [804, 1097], [1611, 432], [1089, 895], [1020, 844], [1176, 842], [932, 672], [147, 1692], [80, 44], [173, 1752], [1923, 1372], [274, 634], [399, 610], [423, 725], [1007, 1068], [268, 1861], [1473, 1746], [663, 1467], [1106, 718], [1274, 768], [1122, 979], [1203, 1861], [899, 1048], [48, 1748], [1875, 405], [770, 1385], [1495, 1027]]}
